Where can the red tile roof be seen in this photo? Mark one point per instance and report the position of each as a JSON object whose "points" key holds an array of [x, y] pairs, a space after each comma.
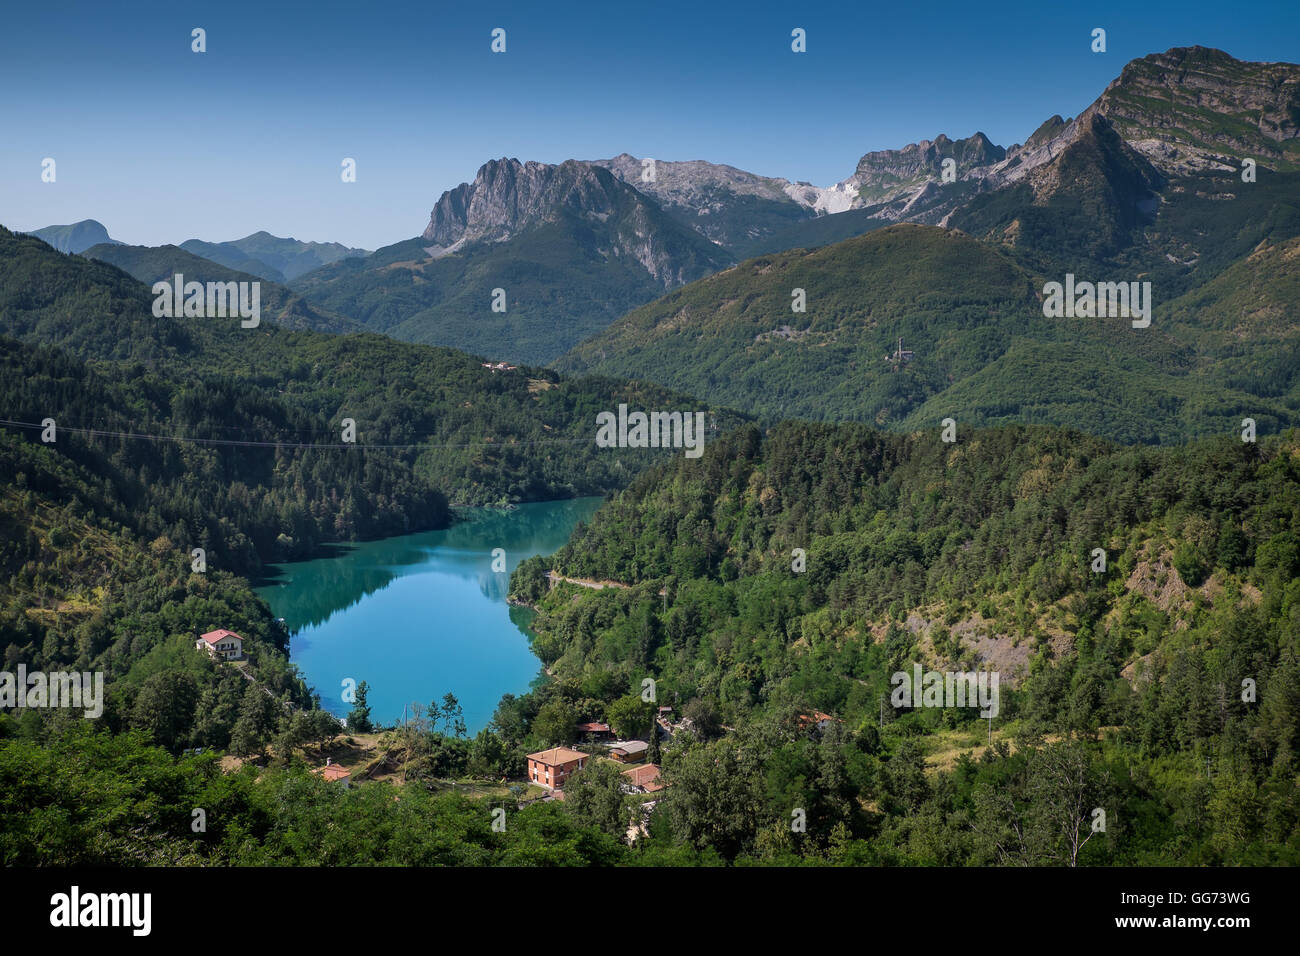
{"points": [[214, 637], [646, 775]]}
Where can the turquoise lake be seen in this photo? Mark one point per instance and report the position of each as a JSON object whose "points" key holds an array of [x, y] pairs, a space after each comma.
{"points": [[421, 615]]}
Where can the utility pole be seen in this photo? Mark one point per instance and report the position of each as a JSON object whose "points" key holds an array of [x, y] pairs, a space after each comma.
{"points": [[407, 734]]}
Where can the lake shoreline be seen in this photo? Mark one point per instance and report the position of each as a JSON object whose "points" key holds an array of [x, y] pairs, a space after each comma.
{"points": [[420, 615]]}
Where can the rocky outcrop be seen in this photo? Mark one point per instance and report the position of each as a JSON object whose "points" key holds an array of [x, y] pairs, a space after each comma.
{"points": [[1187, 110], [1192, 109], [728, 205], [507, 198], [889, 174], [75, 237]]}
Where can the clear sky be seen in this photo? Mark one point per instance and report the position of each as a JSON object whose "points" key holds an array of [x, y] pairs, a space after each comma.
{"points": [[162, 144]]}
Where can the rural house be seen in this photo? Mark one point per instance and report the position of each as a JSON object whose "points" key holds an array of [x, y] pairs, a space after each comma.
{"points": [[816, 721], [595, 731], [334, 773], [222, 644], [643, 779], [629, 751], [550, 768]]}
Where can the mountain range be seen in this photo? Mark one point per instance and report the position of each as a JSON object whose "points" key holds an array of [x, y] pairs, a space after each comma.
{"points": [[914, 290], [1126, 191], [681, 273], [261, 254], [571, 246]]}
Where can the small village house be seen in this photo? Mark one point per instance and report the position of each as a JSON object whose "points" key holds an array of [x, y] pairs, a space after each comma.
{"points": [[643, 779], [334, 773], [595, 731], [222, 644], [550, 768], [816, 721], [629, 751]]}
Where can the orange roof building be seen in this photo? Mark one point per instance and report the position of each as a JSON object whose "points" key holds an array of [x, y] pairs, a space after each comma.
{"points": [[550, 768], [334, 773], [645, 778]]}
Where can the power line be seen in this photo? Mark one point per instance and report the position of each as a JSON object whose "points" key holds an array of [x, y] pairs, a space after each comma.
{"points": [[99, 433]]}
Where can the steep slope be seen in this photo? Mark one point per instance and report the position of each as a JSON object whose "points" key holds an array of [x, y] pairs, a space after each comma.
{"points": [[570, 246], [982, 350], [734, 335], [76, 237], [730, 206], [1195, 109], [1143, 186], [1149, 177], [479, 436], [1088, 187]]}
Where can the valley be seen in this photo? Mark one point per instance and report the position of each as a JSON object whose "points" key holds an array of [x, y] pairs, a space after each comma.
{"points": [[602, 517]]}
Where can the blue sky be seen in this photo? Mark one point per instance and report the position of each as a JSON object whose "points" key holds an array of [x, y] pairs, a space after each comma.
{"points": [[162, 144]]}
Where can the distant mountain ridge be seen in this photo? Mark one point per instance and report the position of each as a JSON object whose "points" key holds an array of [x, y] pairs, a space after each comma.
{"points": [[1146, 184], [570, 247], [1138, 181], [730, 206], [260, 254], [272, 257], [150, 264], [1188, 110], [75, 237]]}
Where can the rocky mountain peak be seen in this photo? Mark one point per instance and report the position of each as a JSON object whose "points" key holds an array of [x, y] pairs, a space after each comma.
{"points": [[1192, 109], [507, 196]]}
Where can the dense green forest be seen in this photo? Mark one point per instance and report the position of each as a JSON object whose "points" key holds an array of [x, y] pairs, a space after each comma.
{"points": [[1121, 689], [478, 436], [786, 571], [172, 435], [152, 264], [1126, 685]]}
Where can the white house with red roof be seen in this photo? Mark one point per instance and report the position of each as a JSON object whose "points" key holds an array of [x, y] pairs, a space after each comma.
{"points": [[222, 644]]}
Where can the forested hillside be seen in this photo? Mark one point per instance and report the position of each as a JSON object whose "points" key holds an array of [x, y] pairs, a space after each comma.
{"points": [[171, 435], [970, 317], [152, 264], [477, 435], [979, 554]]}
